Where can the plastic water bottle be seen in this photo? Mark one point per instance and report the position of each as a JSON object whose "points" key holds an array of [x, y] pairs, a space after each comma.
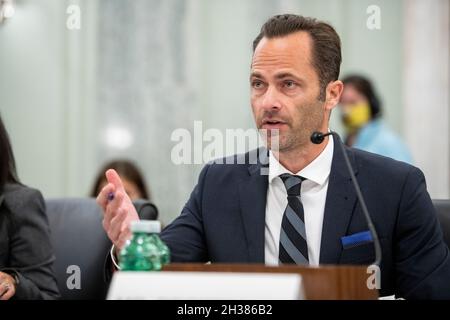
{"points": [[142, 252], [163, 248]]}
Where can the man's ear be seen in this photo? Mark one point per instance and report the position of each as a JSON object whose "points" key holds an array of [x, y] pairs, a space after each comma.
{"points": [[333, 94]]}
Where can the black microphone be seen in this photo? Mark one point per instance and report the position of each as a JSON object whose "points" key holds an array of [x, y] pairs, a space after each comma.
{"points": [[317, 138]]}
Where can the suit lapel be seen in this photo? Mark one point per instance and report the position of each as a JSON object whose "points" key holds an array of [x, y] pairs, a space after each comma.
{"points": [[339, 206], [252, 198]]}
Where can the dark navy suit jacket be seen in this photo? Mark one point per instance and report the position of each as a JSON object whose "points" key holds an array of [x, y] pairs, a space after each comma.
{"points": [[224, 221]]}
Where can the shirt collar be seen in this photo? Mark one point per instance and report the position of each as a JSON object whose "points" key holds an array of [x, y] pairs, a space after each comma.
{"points": [[317, 171]]}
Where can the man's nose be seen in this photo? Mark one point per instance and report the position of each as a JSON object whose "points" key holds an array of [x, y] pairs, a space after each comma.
{"points": [[271, 99]]}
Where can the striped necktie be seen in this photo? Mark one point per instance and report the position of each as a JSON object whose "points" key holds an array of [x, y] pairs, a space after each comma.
{"points": [[293, 246]]}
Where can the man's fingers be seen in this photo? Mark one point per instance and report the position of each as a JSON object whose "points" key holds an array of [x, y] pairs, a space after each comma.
{"points": [[118, 209], [121, 228], [113, 177], [112, 208], [123, 238], [116, 224], [102, 198]]}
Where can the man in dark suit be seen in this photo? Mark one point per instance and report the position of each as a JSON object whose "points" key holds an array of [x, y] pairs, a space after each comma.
{"points": [[304, 210]]}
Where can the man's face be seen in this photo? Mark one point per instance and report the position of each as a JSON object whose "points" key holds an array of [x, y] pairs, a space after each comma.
{"points": [[285, 90]]}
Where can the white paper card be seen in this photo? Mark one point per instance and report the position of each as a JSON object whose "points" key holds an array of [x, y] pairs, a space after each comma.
{"points": [[205, 286]]}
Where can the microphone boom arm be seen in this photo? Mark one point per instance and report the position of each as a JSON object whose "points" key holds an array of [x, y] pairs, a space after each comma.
{"points": [[376, 240], [317, 138]]}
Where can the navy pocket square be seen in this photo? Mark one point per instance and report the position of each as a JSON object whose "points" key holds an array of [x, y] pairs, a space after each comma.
{"points": [[356, 239]]}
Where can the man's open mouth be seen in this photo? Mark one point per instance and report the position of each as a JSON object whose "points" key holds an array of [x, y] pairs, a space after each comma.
{"points": [[272, 124]]}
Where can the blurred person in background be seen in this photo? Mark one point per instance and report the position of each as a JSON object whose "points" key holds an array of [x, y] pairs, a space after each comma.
{"points": [[26, 255], [361, 116], [132, 178]]}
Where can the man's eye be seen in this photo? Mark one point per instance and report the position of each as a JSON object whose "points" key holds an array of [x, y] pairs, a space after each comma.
{"points": [[289, 84], [257, 84]]}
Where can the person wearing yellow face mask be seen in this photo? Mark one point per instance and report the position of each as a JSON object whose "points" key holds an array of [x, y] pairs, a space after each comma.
{"points": [[361, 117]]}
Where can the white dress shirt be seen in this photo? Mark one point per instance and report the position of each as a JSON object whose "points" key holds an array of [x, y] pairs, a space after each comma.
{"points": [[313, 197]]}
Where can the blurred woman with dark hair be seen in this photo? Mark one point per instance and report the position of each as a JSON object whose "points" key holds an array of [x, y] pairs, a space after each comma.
{"points": [[361, 116], [132, 178], [26, 256]]}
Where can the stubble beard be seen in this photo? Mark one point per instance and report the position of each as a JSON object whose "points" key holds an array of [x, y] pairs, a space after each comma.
{"points": [[298, 138]]}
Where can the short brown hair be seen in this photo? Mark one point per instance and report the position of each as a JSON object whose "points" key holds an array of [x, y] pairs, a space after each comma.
{"points": [[326, 50]]}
